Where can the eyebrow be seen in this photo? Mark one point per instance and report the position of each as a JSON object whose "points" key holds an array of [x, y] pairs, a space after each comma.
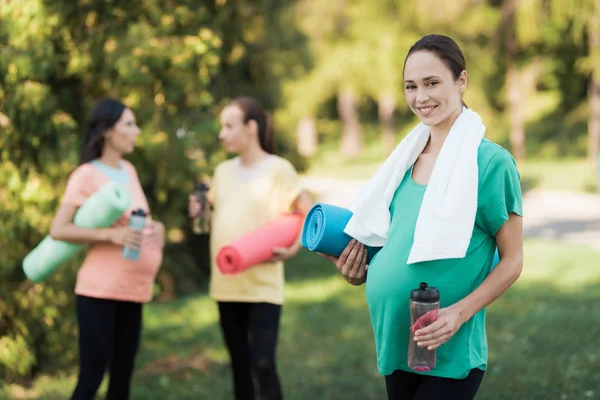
{"points": [[427, 78]]}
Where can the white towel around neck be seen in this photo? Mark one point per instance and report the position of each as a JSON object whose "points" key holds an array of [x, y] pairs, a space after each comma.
{"points": [[447, 215]]}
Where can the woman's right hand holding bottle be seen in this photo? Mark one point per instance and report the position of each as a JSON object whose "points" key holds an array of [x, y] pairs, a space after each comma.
{"points": [[125, 237]]}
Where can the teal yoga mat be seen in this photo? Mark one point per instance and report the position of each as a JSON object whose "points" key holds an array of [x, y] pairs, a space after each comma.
{"points": [[100, 210], [323, 231]]}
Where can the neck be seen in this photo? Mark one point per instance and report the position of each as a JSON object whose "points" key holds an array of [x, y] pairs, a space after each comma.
{"points": [[110, 158], [440, 131], [252, 156]]}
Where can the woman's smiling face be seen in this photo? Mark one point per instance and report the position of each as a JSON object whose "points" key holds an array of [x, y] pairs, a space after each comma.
{"points": [[431, 91]]}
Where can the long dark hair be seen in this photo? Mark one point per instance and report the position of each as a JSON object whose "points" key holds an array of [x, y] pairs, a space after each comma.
{"points": [[445, 49], [104, 116], [252, 110]]}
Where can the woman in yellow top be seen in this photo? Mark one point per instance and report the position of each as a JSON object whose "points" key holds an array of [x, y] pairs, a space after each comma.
{"points": [[247, 192]]}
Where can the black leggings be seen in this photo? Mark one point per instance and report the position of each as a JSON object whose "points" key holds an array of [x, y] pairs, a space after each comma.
{"points": [[109, 335], [250, 333], [403, 385]]}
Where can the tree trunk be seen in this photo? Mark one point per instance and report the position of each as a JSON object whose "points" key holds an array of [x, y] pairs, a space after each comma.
{"points": [[594, 122], [594, 88], [387, 105], [307, 136], [162, 165], [515, 103], [351, 142]]}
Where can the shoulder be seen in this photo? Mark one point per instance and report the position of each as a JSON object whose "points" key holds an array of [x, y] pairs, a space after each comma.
{"points": [[84, 180], [493, 157], [224, 166], [129, 166], [84, 171], [282, 164]]}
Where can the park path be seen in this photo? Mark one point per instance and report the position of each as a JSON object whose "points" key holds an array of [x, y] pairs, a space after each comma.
{"points": [[569, 217]]}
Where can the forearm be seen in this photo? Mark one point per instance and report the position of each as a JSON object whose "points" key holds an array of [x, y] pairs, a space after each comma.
{"points": [[74, 234], [302, 206], [295, 247], [497, 282]]}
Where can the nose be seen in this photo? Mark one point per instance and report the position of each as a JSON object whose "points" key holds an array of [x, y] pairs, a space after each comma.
{"points": [[422, 96], [222, 134]]}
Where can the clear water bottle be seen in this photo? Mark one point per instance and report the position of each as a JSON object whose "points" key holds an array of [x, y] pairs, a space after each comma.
{"points": [[138, 222], [424, 307], [201, 223]]}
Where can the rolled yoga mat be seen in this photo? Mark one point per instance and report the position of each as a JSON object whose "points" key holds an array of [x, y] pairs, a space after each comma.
{"points": [[100, 210], [324, 231], [257, 246]]}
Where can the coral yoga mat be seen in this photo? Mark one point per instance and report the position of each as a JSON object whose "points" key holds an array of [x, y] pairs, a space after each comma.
{"points": [[257, 246]]}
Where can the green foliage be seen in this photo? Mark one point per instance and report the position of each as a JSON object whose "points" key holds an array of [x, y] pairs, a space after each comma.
{"points": [[362, 44], [174, 70]]}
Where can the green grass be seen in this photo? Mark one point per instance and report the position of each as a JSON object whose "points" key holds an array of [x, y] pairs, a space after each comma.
{"points": [[559, 175], [543, 337], [570, 175]]}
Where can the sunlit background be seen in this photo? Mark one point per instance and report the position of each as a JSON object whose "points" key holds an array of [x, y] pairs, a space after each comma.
{"points": [[330, 71]]}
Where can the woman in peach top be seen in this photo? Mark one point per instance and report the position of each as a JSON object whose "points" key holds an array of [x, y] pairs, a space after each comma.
{"points": [[110, 290]]}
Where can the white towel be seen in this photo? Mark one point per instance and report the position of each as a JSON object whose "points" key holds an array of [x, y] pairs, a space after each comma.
{"points": [[447, 215]]}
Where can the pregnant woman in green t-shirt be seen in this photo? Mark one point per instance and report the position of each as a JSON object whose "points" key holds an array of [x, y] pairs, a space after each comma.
{"points": [[435, 79]]}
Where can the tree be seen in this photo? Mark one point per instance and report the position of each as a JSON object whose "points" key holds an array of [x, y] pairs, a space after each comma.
{"points": [[357, 48], [594, 88], [582, 18], [513, 82], [59, 58]]}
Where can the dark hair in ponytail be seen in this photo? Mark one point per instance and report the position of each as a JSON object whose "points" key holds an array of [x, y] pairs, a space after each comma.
{"points": [[104, 116], [252, 110]]}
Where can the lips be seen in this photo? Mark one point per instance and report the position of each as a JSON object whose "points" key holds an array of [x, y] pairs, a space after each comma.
{"points": [[425, 111]]}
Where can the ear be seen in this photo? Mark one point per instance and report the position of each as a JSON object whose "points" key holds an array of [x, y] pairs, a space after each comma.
{"points": [[107, 133], [252, 127], [462, 82]]}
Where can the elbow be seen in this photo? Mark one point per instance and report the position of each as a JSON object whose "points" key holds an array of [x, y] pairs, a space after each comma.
{"points": [[56, 231], [516, 268], [304, 203]]}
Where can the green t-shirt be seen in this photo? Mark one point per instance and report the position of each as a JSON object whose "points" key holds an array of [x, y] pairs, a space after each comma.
{"points": [[390, 279]]}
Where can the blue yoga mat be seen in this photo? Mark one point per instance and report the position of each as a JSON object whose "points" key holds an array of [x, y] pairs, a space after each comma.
{"points": [[496, 258], [323, 231]]}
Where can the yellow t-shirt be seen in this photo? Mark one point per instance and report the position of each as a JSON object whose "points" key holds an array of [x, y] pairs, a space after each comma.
{"points": [[245, 200]]}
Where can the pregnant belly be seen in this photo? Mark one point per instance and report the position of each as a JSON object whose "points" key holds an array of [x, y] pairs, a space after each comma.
{"points": [[387, 284]]}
